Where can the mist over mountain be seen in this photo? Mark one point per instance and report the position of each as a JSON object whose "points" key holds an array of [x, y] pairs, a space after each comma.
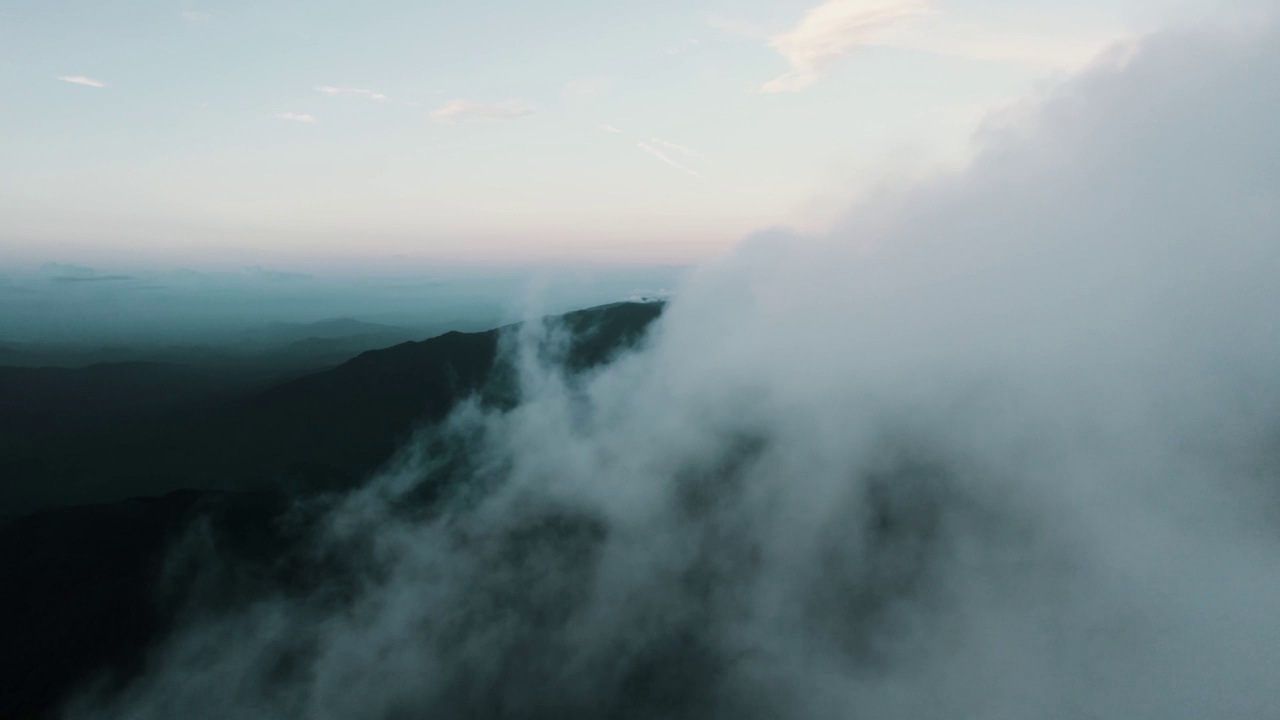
{"points": [[87, 582], [1003, 444]]}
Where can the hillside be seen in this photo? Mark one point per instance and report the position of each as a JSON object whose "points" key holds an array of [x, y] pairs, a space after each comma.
{"points": [[81, 581], [111, 432]]}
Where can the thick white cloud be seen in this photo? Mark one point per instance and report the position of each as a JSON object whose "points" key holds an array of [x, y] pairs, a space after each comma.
{"points": [[1002, 445]]}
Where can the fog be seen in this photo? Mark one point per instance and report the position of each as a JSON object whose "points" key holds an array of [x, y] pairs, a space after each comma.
{"points": [[1004, 444]]}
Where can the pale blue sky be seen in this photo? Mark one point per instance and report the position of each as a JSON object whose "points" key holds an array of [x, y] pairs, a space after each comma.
{"points": [[622, 131]]}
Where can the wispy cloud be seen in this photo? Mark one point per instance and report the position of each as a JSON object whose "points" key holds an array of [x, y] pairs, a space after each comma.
{"points": [[655, 152], [656, 148], [678, 148], [830, 31], [82, 80], [585, 88], [297, 117], [461, 111], [360, 92]]}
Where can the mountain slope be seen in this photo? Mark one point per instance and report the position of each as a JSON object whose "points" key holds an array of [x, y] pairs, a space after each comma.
{"points": [[326, 429]]}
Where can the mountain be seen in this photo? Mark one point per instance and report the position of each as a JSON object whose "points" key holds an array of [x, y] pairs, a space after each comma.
{"points": [[38, 401], [116, 431], [83, 596]]}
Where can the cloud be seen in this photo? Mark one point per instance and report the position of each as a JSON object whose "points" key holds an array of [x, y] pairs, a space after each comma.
{"points": [[666, 159], [587, 88], [678, 148], [650, 149], [82, 80], [610, 129], [838, 27], [360, 92], [464, 111], [831, 31], [297, 117]]}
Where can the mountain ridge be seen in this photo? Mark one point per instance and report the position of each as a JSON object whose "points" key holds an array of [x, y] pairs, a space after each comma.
{"points": [[330, 427]]}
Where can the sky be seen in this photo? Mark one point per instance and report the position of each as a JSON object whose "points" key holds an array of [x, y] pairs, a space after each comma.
{"points": [[288, 133]]}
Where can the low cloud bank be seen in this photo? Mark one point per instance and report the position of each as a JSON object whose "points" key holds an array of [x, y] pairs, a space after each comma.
{"points": [[1004, 445]]}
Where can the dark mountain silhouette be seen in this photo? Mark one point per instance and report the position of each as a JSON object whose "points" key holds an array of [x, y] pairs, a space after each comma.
{"points": [[45, 400], [324, 429], [84, 597]]}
